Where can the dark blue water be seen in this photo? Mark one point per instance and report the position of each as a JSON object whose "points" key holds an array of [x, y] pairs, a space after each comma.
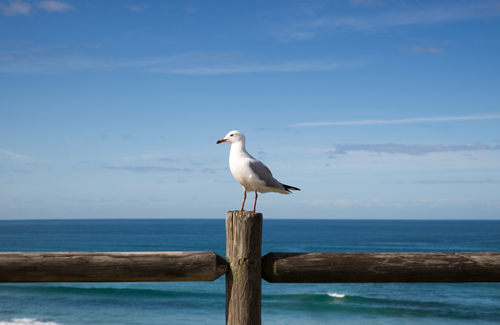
{"points": [[203, 302]]}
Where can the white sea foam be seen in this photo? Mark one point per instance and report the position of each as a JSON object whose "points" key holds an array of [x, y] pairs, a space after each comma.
{"points": [[336, 295], [25, 321]]}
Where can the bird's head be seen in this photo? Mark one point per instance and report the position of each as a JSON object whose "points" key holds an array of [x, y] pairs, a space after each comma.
{"points": [[233, 137]]}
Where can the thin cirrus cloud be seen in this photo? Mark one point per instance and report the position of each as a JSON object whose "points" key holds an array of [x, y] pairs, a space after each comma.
{"points": [[421, 49], [403, 121], [6, 58], [148, 169], [187, 64], [377, 3], [19, 7], [15, 8], [55, 6], [406, 203], [412, 150], [460, 181], [13, 155], [139, 8], [252, 68], [427, 15], [387, 18], [237, 63]]}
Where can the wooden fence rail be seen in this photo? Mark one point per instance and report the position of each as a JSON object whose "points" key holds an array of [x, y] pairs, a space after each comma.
{"points": [[245, 268], [111, 267], [381, 267]]}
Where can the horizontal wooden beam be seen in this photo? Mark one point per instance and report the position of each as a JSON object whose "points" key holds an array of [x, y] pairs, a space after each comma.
{"points": [[381, 267], [111, 267]]}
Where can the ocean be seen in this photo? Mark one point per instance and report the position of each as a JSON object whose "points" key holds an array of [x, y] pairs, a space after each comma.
{"points": [[204, 302]]}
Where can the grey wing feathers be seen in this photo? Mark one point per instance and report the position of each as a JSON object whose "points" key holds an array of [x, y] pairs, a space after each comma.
{"points": [[264, 173]]}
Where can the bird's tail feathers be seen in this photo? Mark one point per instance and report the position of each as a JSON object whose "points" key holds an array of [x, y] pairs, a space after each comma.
{"points": [[288, 188]]}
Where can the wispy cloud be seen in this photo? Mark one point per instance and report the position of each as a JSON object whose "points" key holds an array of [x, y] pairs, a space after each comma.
{"points": [[459, 181], [189, 64], [377, 3], [413, 150], [138, 8], [278, 130], [148, 169], [134, 8], [6, 58], [402, 121], [436, 203], [55, 6], [213, 170], [429, 15], [388, 17], [128, 137], [421, 49], [19, 7], [191, 9], [21, 171], [15, 8], [253, 68], [152, 156], [308, 8], [93, 201], [13, 155]]}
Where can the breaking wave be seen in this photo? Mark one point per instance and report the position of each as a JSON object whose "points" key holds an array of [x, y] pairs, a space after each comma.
{"points": [[25, 321]]}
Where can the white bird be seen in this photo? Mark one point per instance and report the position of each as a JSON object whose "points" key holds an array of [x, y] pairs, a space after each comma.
{"points": [[251, 173]]}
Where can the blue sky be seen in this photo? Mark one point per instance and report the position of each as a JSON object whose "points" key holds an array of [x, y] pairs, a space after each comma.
{"points": [[374, 108]]}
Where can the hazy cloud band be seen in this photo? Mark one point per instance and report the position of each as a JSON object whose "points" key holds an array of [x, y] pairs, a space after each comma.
{"points": [[412, 150], [148, 169], [402, 121]]}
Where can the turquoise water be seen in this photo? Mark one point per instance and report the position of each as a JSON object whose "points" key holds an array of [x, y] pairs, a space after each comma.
{"points": [[203, 302]]}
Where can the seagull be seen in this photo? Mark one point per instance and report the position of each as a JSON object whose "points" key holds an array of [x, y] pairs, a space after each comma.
{"points": [[251, 173]]}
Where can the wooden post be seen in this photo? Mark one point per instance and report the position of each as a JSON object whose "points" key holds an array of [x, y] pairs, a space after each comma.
{"points": [[244, 278]]}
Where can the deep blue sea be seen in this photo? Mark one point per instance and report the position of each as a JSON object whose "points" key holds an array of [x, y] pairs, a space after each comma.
{"points": [[204, 302]]}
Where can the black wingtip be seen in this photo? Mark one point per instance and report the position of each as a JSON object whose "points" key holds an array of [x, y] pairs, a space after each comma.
{"points": [[288, 188]]}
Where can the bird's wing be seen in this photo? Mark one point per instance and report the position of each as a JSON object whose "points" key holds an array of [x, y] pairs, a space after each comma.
{"points": [[264, 173]]}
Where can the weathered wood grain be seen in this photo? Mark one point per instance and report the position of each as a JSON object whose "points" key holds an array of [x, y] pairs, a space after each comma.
{"points": [[243, 280], [111, 267], [381, 267]]}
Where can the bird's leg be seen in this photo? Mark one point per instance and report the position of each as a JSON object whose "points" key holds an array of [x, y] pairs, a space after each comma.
{"points": [[244, 199], [255, 202]]}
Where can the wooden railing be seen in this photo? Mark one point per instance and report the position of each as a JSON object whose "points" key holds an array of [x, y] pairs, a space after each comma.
{"points": [[245, 268], [111, 267]]}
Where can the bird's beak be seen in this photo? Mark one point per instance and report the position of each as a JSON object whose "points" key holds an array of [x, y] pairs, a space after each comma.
{"points": [[221, 140]]}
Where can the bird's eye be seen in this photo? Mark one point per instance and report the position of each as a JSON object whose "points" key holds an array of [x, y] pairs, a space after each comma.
{"points": [[231, 135]]}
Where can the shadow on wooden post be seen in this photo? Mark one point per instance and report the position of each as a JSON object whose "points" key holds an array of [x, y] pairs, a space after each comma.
{"points": [[244, 278]]}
